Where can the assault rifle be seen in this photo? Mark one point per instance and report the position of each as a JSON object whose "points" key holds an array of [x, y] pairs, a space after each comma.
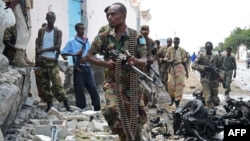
{"points": [[215, 73], [120, 56], [76, 58], [157, 77], [23, 8]]}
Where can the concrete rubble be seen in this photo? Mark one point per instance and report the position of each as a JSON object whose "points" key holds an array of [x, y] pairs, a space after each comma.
{"points": [[33, 124]]}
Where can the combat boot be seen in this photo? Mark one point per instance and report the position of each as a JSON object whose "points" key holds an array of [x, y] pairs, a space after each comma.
{"points": [[66, 105], [177, 103], [49, 105], [172, 101], [19, 58], [27, 61]]}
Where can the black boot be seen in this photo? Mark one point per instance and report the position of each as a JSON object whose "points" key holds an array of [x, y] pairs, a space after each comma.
{"points": [[177, 103], [49, 105], [172, 101], [66, 105]]}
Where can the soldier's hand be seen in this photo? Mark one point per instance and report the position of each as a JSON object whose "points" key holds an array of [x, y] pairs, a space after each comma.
{"points": [[39, 51], [234, 75], [79, 53], [207, 68], [187, 75], [131, 60], [150, 60], [110, 64], [7, 5], [83, 60]]}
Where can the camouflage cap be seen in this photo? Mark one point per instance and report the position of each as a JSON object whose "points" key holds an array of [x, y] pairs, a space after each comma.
{"points": [[144, 29]]}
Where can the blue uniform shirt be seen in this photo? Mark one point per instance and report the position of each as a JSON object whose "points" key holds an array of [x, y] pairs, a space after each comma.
{"points": [[73, 46]]}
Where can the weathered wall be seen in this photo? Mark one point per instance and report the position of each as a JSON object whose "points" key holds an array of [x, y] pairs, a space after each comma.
{"points": [[14, 83], [14, 90]]}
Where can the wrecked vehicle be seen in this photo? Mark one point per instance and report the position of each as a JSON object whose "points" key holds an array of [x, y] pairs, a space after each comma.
{"points": [[194, 120]]}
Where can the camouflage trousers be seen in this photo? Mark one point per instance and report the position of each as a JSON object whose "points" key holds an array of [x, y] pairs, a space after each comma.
{"points": [[50, 80], [39, 85], [112, 114], [228, 80], [210, 93], [176, 84]]}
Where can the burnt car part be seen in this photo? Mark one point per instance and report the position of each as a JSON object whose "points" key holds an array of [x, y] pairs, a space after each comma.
{"points": [[193, 120]]}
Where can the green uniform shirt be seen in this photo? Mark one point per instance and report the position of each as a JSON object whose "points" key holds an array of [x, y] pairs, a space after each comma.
{"points": [[10, 34], [108, 39], [161, 54], [229, 62]]}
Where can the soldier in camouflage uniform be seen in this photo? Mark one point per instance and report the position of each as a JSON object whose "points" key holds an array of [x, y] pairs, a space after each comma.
{"points": [[9, 40], [117, 37], [230, 66], [209, 83], [162, 64], [176, 56], [48, 43], [151, 58]]}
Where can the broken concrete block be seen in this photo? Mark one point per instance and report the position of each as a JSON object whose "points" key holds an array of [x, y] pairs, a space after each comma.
{"points": [[70, 138], [41, 138], [45, 128], [72, 124], [53, 111], [98, 126]]}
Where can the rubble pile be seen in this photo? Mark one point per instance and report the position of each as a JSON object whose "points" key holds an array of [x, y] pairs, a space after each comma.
{"points": [[191, 121], [34, 124]]}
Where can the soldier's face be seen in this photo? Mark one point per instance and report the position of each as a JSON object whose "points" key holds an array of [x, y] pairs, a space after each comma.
{"points": [[115, 17], [169, 42], [80, 30], [145, 34], [208, 48], [176, 42], [51, 19]]}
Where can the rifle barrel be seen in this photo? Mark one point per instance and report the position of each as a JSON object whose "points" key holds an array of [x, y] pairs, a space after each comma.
{"points": [[136, 70]]}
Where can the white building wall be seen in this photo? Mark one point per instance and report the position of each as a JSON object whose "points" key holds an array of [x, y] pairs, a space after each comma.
{"points": [[97, 18], [242, 52]]}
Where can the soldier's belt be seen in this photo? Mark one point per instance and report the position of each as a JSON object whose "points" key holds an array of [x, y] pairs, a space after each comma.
{"points": [[47, 59], [176, 64]]}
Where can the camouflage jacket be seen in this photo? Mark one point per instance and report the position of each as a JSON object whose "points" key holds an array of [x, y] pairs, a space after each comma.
{"points": [[108, 39], [200, 66], [161, 54], [150, 46], [10, 35], [179, 56], [229, 63]]}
